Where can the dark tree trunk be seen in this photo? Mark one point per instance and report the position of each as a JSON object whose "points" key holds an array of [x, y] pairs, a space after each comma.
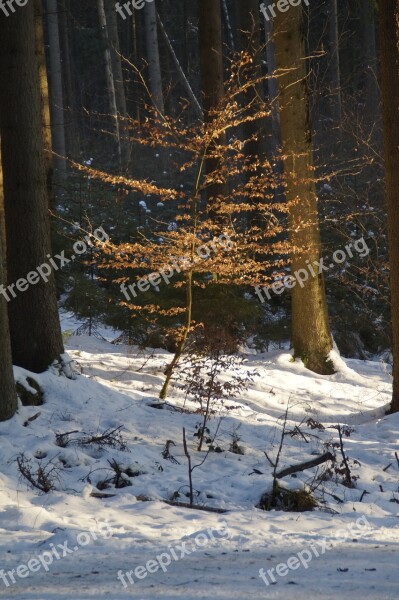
{"points": [[44, 94], [56, 91], [336, 105], [119, 83], [389, 44], [8, 396], [249, 41], [36, 338], [211, 62]]}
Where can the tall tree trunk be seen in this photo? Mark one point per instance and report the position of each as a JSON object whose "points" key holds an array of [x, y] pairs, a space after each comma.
{"points": [[56, 92], [389, 48], [33, 314], [369, 46], [119, 84], [110, 77], [336, 105], [44, 94], [8, 396], [72, 133], [311, 337], [211, 64], [135, 88], [185, 83], [227, 21], [249, 40], [154, 65], [272, 86]]}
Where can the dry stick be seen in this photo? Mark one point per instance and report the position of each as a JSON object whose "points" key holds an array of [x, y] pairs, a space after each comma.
{"points": [[363, 495], [190, 470], [295, 431], [208, 405], [305, 465], [273, 495], [347, 469]]}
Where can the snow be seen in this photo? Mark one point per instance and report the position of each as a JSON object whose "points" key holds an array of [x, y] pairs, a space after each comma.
{"points": [[117, 388]]}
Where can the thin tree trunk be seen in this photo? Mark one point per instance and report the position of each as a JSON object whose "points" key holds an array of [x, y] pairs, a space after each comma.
{"points": [[110, 77], [56, 92], [154, 66], [227, 21], [369, 45], [135, 90], [389, 48], [311, 337], [33, 314], [70, 116], [183, 78], [336, 105], [272, 85], [249, 40], [119, 84]]}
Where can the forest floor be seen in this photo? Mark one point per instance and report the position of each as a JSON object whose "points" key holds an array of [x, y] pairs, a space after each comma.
{"points": [[68, 544]]}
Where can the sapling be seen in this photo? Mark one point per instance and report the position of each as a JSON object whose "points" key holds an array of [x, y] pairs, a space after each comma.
{"points": [[202, 375], [191, 467]]}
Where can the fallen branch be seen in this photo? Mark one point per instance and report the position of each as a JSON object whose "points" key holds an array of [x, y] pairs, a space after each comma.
{"points": [[211, 509], [306, 465]]}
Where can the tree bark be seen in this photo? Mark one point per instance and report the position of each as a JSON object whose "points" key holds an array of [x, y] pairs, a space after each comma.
{"points": [[186, 84], [8, 396], [311, 337], [389, 48], [56, 92], [154, 66], [44, 96], [227, 21], [249, 40], [211, 64], [36, 338], [336, 105], [272, 87], [369, 46], [72, 133], [309, 464], [110, 77], [119, 84]]}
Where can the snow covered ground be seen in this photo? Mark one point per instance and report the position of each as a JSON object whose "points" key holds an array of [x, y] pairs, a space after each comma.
{"points": [[326, 553]]}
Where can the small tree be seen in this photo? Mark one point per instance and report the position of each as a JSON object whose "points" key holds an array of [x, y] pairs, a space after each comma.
{"points": [[203, 375], [246, 215]]}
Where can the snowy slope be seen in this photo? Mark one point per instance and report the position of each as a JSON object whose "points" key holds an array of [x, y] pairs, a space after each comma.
{"points": [[117, 387]]}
